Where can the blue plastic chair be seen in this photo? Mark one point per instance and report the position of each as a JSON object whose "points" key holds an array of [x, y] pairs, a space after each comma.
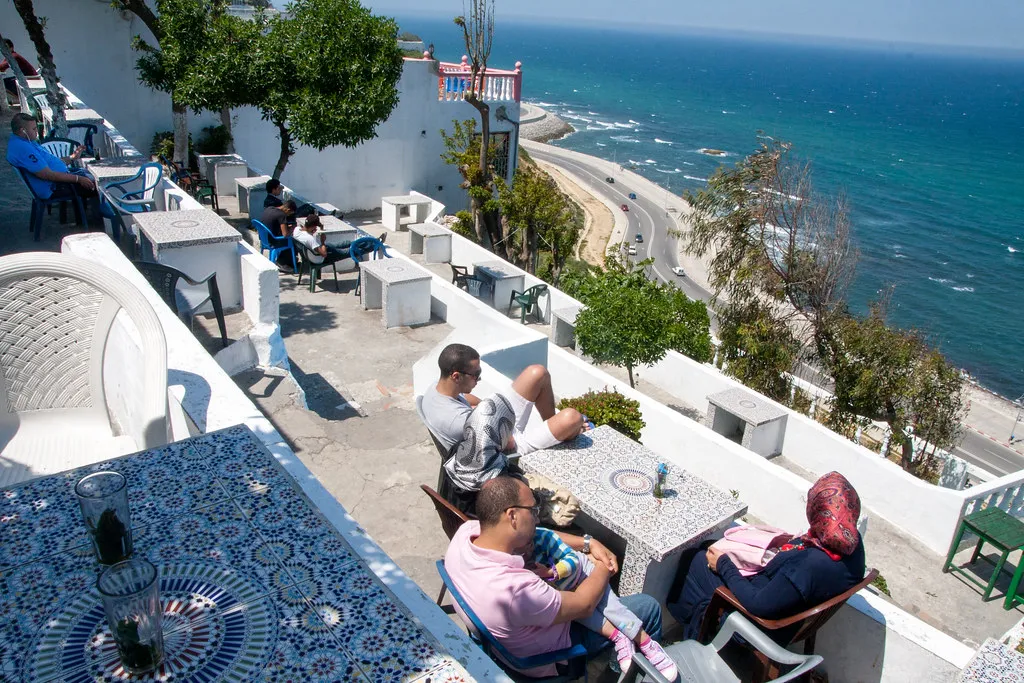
{"points": [[575, 655], [35, 224], [364, 246], [275, 244], [137, 201]]}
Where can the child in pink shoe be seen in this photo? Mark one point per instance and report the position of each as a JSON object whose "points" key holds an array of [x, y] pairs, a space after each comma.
{"points": [[553, 560]]}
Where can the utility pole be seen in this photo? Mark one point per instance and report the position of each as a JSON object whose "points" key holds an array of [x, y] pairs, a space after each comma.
{"points": [[1020, 410]]}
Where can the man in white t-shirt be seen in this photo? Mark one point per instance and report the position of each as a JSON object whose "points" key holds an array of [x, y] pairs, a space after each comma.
{"points": [[447, 405], [318, 251]]}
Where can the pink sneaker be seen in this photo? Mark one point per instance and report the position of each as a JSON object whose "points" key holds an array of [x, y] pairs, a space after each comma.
{"points": [[624, 649], [661, 661]]}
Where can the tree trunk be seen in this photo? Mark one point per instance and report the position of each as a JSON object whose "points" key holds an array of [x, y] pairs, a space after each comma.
{"points": [[179, 115], [285, 136], [54, 95], [225, 120], [629, 369], [13, 64]]}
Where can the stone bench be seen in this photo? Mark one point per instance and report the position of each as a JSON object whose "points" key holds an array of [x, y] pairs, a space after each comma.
{"points": [[251, 193], [399, 210], [563, 325], [399, 287], [432, 240]]}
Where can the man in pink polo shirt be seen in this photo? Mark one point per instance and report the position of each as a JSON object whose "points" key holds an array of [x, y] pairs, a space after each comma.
{"points": [[525, 613]]}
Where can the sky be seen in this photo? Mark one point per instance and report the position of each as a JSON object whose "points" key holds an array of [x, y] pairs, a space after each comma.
{"points": [[995, 24]]}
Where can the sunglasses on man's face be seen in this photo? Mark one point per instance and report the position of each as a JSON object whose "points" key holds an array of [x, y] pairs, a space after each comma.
{"points": [[474, 375]]}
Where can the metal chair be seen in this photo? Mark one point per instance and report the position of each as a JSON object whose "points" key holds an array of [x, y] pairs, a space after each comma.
{"points": [[185, 301], [365, 246], [314, 268], [576, 656], [451, 519], [199, 188], [527, 300], [274, 244], [137, 201], [804, 626], [35, 224], [702, 664]]}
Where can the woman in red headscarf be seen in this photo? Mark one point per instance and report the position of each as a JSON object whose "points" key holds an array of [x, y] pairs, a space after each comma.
{"points": [[823, 562]]}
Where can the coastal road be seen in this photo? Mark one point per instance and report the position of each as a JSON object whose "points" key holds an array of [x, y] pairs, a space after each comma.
{"points": [[647, 216]]}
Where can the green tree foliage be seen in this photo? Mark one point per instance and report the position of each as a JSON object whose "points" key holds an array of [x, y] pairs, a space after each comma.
{"points": [[781, 259], [332, 75], [629, 320], [462, 150], [609, 408]]}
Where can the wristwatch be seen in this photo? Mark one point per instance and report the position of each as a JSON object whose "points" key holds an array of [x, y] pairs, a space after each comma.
{"points": [[587, 538]]}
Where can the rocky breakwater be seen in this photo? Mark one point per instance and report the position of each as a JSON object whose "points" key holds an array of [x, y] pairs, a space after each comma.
{"points": [[541, 126]]}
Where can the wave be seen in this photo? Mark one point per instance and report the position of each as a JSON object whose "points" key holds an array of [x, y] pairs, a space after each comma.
{"points": [[940, 280], [712, 152], [635, 123], [899, 255], [964, 289], [728, 112], [600, 144], [618, 124], [662, 170], [663, 142], [693, 177], [637, 163], [625, 138], [688, 163], [1011, 250], [593, 113], [650, 161]]}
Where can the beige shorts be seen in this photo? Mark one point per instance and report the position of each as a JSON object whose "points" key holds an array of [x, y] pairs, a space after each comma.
{"points": [[529, 437]]}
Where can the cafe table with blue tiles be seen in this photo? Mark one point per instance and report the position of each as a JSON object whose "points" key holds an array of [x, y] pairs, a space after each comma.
{"points": [[615, 480], [262, 576]]}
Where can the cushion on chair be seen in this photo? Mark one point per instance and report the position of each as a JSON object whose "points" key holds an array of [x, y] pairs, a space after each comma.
{"points": [[44, 442]]}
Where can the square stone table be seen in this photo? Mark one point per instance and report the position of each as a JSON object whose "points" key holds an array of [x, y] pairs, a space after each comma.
{"points": [[432, 240], [563, 325], [400, 287], [197, 242], [503, 278], [399, 210], [613, 478], [748, 418], [252, 190], [337, 231], [222, 169]]}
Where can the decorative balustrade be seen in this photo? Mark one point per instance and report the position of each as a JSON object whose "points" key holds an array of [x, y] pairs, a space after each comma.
{"points": [[454, 82], [1005, 493]]}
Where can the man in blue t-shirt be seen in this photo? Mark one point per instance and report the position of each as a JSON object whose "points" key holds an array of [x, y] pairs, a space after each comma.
{"points": [[47, 174]]}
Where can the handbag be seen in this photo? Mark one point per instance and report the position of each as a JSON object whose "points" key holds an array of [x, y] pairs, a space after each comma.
{"points": [[558, 507], [751, 547]]}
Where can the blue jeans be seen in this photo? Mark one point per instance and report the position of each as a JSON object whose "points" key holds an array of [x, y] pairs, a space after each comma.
{"points": [[643, 606]]}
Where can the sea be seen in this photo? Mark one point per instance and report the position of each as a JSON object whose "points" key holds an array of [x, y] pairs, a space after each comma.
{"points": [[926, 146]]}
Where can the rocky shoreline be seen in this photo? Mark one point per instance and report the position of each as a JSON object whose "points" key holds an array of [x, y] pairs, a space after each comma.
{"points": [[541, 126]]}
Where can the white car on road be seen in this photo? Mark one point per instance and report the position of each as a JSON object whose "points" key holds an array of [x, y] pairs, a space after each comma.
{"points": [[632, 250], [677, 270]]}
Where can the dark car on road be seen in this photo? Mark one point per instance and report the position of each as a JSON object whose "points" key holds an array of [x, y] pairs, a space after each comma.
{"points": [[609, 179], [624, 207], [639, 238], [632, 195]]}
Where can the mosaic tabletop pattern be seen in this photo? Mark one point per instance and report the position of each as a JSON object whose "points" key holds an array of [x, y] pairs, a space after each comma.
{"points": [[256, 585], [613, 478], [994, 663]]}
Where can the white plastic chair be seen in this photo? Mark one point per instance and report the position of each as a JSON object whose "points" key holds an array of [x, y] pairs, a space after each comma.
{"points": [[701, 663], [72, 389]]}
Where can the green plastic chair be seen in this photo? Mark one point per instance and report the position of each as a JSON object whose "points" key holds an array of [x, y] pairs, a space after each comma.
{"points": [[527, 300]]}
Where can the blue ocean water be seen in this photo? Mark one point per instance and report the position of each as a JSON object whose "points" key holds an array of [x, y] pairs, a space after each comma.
{"points": [[928, 149]]}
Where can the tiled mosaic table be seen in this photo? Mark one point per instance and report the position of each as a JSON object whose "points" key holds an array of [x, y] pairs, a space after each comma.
{"points": [[613, 478], [256, 584], [994, 663]]}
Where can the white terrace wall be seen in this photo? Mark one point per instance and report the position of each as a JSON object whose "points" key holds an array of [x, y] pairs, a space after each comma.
{"points": [[91, 46], [405, 155], [928, 512]]}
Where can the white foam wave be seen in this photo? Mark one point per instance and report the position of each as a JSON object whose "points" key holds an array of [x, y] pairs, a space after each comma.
{"points": [[601, 144], [663, 142], [940, 280], [693, 177], [635, 123], [663, 170], [964, 289], [593, 113], [688, 163], [650, 161], [728, 112], [625, 138], [618, 124], [970, 274], [1011, 250], [712, 152], [899, 256]]}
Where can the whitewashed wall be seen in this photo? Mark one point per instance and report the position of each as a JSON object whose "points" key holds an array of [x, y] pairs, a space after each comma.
{"points": [[91, 46], [405, 155]]}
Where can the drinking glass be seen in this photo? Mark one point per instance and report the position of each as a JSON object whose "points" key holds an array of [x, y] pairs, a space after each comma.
{"points": [[103, 497], [131, 602]]}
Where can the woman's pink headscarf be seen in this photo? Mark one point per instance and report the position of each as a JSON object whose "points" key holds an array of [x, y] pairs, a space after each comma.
{"points": [[833, 508]]}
